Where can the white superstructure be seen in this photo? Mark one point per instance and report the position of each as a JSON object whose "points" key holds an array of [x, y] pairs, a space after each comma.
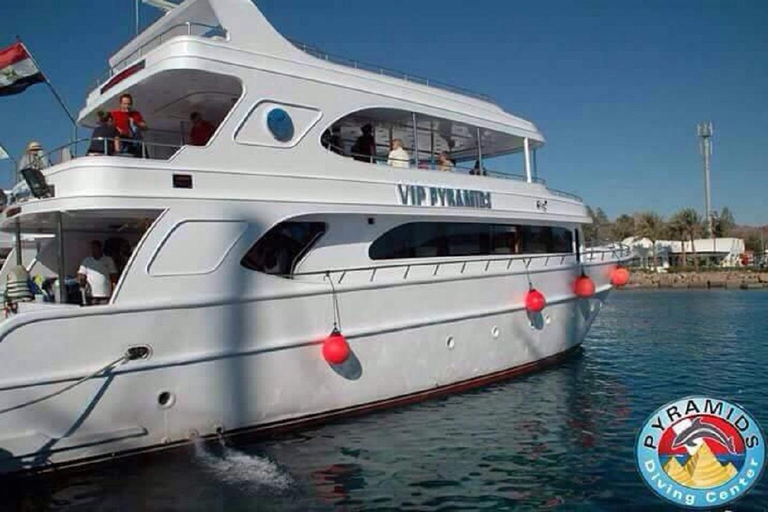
{"points": [[238, 257]]}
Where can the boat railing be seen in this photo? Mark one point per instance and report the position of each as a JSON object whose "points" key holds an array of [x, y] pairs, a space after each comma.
{"points": [[382, 71], [133, 148], [431, 165], [616, 250], [462, 266], [72, 150], [188, 28]]}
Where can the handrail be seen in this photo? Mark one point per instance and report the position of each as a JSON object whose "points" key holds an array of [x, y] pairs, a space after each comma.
{"points": [[429, 165], [379, 70], [617, 254], [157, 41]]}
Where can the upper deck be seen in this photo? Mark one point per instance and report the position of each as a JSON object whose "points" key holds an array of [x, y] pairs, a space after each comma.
{"points": [[222, 58], [236, 32]]}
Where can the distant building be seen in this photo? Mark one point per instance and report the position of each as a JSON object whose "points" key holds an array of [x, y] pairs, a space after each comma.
{"points": [[721, 252]]}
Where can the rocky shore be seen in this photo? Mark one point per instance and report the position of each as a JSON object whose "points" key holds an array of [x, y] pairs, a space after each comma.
{"points": [[731, 279]]}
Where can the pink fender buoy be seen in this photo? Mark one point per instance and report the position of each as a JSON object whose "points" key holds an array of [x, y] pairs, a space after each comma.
{"points": [[584, 287], [535, 301], [335, 348], [619, 276]]}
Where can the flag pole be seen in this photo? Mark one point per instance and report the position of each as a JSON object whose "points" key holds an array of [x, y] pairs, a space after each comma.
{"points": [[53, 90]]}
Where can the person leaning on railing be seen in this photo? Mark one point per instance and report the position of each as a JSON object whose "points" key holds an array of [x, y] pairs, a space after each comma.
{"points": [[364, 148], [443, 162], [130, 124], [105, 139], [398, 157]]}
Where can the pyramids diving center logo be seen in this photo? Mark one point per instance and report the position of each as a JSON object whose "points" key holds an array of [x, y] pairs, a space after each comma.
{"points": [[700, 452]]}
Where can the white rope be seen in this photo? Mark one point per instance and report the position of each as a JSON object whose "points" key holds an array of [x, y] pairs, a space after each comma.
{"points": [[114, 363]]}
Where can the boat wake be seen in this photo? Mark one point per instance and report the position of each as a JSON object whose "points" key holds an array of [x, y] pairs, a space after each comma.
{"points": [[241, 469]]}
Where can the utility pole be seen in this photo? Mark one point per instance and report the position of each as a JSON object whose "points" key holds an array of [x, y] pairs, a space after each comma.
{"points": [[705, 144]]}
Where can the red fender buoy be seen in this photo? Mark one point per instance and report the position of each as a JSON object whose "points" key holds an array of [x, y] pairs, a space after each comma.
{"points": [[335, 348], [619, 276], [584, 287], [535, 301]]}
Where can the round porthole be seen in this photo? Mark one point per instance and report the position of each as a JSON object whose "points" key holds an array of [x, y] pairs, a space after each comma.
{"points": [[280, 124], [166, 399]]}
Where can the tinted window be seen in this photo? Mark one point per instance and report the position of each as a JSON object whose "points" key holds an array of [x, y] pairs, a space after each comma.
{"points": [[281, 248], [437, 239], [562, 240]]}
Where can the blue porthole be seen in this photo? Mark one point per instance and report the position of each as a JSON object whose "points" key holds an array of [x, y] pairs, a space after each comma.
{"points": [[280, 124]]}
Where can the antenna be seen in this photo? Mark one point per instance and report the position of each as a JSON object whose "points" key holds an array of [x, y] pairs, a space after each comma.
{"points": [[163, 5], [705, 132]]}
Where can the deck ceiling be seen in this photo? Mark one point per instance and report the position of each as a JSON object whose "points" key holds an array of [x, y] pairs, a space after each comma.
{"points": [[167, 99], [118, 221]]}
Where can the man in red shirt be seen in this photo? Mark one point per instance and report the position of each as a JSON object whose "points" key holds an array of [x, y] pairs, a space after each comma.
{"points": [[201, 131], [129, 124]]}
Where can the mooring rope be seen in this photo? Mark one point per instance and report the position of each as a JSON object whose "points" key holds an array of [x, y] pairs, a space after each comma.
{"points": [[336, 312], [123, 359]]}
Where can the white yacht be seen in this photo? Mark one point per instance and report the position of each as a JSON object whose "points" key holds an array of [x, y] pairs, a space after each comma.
{"points": [[286, 269]]}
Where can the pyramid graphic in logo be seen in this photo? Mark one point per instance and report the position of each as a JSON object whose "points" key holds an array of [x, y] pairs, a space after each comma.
{"points": [[702, 452], [701, 471]]}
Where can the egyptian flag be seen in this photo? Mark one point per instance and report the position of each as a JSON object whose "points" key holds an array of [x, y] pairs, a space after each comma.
{"points": [[17, 70]]}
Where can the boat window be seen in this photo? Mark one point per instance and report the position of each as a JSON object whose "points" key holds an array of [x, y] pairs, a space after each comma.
{"points": [[404, 139], [438, 239], [282, 247], [276, 125]]}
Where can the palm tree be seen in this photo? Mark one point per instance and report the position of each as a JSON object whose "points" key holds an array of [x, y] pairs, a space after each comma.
{"points": [[677, 232], [651, 226], [690, 220]]}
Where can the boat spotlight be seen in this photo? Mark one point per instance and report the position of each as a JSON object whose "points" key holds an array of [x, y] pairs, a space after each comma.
{"points": [[36, 182]]}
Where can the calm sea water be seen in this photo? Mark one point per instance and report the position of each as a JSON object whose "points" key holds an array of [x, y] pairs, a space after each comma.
{"points": [[561, 439]]}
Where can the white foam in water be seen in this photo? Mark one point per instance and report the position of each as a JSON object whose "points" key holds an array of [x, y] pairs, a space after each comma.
{"points": [[238, 468]]}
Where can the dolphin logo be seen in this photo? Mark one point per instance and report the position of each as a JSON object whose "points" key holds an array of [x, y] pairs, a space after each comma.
{"points": [[699, 430]]}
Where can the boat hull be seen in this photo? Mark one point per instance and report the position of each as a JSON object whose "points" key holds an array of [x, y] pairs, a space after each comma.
{"points": [[210, 375]]}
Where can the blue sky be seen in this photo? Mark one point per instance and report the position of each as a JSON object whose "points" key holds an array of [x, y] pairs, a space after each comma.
{"points": [[617, 87]]}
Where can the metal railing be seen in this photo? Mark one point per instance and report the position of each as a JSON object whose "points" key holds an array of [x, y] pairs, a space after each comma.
{"points": [[391, 73], [430, 165], [617, 250], [481, 265], [142, 149], [69, 151], [183, 29]]}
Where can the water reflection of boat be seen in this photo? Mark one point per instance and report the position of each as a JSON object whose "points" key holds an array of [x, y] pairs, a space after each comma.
{"points": [[247, 250]]}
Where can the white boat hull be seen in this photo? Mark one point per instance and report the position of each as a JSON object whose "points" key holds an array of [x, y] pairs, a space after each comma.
{"points": [[234, 367]]}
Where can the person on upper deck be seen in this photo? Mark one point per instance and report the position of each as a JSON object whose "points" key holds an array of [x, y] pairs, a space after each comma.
{"points": [[98, 275], [34, 157], [444, 162], [331, 140], [364, 148], [478, 169], [105, 138], [201, 131], [398, 157], [130, 124]]}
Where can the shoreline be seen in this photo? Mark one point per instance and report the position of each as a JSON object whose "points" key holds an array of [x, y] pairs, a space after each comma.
{"points": [[703, 280]]}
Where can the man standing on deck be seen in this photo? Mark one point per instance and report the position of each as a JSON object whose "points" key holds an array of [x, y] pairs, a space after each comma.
{"points": [[130, 124], [201, 131], [99, 273]]}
